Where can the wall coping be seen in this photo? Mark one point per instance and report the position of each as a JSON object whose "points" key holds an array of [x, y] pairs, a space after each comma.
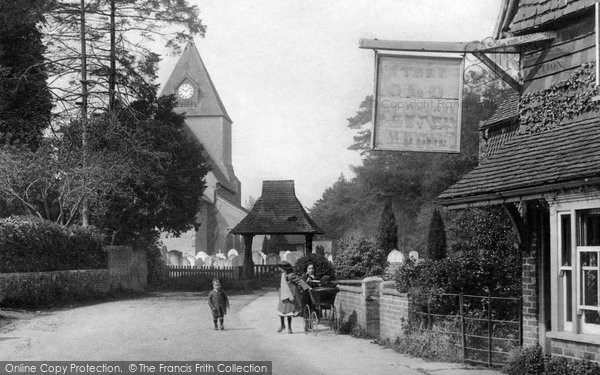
{"points": [[349, 282], [25, 274], [351, 289]]}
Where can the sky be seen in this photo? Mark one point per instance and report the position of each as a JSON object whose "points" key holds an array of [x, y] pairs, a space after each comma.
{"points": [[290, 73]]}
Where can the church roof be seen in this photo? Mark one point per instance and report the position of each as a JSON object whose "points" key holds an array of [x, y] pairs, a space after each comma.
{"points": [[191, 67], [277, 211]]}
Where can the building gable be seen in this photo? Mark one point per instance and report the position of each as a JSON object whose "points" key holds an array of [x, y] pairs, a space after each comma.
{"points": [[190, 69]]}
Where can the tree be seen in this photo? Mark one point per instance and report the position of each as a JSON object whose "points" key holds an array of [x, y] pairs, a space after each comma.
{"points": [[120, 58], [387, 238], [146, 173], [25, 106], [410, 180], [163, 189], [250, 201], [359, 257], [344, 207], [436, 237]]}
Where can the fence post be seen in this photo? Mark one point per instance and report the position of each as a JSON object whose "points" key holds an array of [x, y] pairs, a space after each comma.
{"points": [[490, 329], [462, 326], [429, 324], [520, 317]]}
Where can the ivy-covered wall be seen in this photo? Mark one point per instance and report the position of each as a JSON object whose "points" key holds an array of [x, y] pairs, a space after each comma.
{"points": [[560, 102]]}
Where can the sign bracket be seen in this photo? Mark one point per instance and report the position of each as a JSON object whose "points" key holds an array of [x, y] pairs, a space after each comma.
{"points": [[478, 49]]}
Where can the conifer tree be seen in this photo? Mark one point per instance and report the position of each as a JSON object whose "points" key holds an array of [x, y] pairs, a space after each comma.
{"points": [[436, 237], [25, 102], [387, 235]]}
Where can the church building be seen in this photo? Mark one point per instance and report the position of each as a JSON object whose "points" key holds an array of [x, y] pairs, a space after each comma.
{"points": [[210, 124]]}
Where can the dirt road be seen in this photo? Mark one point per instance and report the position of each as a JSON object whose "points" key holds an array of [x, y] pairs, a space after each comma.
{"points": [[178, 326]]}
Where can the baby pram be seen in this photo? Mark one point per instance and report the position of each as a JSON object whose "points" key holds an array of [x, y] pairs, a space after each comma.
{"points": [[321, 309]]}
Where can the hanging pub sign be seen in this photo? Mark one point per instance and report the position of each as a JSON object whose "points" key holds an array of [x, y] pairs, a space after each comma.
{"points": [[418, 103]]}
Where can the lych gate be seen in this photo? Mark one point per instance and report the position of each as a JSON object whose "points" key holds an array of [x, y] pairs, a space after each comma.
{"points": [[277, 211]]}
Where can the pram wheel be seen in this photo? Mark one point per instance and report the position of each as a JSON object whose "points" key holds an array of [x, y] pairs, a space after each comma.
{"points": [[308, 323], [314, 317], [333, 321]]}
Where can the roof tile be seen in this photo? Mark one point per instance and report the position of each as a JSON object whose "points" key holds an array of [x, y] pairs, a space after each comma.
{"points": [[533, 13], [277, 211], [565, 153]]}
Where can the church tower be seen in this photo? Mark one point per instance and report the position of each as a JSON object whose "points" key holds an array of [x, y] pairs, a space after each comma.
{"points": [[211, 125]]}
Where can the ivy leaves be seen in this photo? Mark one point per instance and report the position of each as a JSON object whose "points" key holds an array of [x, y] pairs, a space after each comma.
{"points": [[546, 109]]}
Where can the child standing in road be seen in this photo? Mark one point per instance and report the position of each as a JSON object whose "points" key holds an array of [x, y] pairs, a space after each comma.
{"points": [[218, 303]]}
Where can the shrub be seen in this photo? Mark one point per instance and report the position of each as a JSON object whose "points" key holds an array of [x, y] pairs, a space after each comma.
{"points": [[528, 361], [359, 257], [29, 244], [532, 361], [467, 274], [322, 265], [425, 344]]}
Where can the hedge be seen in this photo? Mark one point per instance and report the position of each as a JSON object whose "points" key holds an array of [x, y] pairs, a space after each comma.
{"points": [[29, 244]]}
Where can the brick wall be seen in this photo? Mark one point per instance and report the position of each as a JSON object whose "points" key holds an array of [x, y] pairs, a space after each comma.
{"points": [[373, 306], [393, 311], [127, 271], [575, 350], [349, 303], [530, 300]]}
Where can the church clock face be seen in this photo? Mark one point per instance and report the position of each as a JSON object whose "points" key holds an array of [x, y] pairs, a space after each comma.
{"points": [[185, 91]]}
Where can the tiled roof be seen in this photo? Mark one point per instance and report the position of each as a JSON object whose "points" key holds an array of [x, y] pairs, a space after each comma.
{"points": [[532, 14], [277, 211], [535, 162], [507, 110]]}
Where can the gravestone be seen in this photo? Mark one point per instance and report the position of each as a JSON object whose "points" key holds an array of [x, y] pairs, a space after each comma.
{"points": [[273, 259], [220, 262], [232, 253], [395, 259], [201, 255], [414, 255], [199, 263], [293, 256], [210, 261], [257, 259], [174, 258], [236, 261]]}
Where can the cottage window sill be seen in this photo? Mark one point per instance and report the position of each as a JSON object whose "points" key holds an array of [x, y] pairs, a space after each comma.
{"points": [[577, 337]]}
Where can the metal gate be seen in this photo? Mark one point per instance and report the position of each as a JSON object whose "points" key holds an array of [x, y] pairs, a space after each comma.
{"points": [[486, 328]]}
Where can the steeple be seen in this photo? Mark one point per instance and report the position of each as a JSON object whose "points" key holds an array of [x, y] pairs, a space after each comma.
{"points": [[190, 71], [206, 117]]}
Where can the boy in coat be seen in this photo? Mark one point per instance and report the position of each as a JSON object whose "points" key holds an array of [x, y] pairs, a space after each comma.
{"points": [[218, 303]]}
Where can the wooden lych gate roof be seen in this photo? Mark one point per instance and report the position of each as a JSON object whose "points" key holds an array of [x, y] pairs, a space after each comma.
{"points": [[277, 211]]}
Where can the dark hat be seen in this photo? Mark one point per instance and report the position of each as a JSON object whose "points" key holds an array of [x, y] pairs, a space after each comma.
{"points": [[286, 266]]}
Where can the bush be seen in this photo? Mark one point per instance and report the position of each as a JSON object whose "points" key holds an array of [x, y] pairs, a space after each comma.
{"points": [[528, 361], [426, 344], [532, 361], [322, 265], [467, 274], [359, 257], [30, 244]]}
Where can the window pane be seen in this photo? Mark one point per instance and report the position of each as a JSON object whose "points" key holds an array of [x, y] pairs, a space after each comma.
{"points": [[589, 228], [565, 231], [589, 287], [591, 317], [588, 259], [568, 296]]}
